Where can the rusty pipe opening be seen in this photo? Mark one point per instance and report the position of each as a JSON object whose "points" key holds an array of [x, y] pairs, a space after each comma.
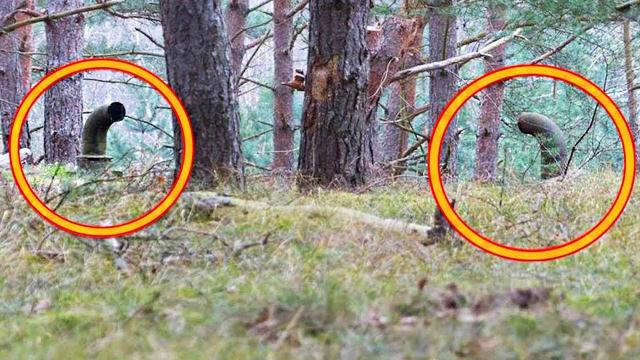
{"points": [[94, 132], [553, 148]]}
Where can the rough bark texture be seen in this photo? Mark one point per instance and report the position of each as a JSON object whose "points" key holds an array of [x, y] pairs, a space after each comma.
{"points": [[631, 79], [388, 50], [283, 123], [336, 146], [401, 104], [236, 17], [443, 84], [199, 70], [9, 76], [489, 121], [12, 77], [25, 45], [63, 102], [392, 139]]}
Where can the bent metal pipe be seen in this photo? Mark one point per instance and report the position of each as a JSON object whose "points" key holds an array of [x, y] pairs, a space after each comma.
{"points": [[94, 132], [553, 148]]}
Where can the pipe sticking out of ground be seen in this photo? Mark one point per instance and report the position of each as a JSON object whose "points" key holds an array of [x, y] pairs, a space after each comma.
{"points": [[553, 148], [94, 132]]}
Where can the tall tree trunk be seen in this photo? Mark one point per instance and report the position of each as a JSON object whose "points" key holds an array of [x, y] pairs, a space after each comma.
{"points": [[631, 79], [401, 103], [388, 48], [25, 40], [12, 77], [489, 121], [198, 54], [236, 15], [392, 139], [63, 102], [336, 146], [443, 84], [283, 123]]}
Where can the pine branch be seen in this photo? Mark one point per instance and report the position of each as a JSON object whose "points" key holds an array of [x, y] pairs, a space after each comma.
{"points": [[50, 17], [403, 74]]}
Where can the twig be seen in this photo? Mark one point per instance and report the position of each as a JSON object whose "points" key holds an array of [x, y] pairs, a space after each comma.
{"points": [[150, 124], [257, 135], [258, 6], [60, 15], [126, 53], [148, 36], [298, 8], [414, 147], [263, 242], [247, 80], [253, 55], [403, 74], [123, 82], [554, 50], [593, 121], [257, 41]]}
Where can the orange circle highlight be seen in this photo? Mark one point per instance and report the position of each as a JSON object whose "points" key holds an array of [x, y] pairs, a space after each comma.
{"points": [[138, 223], [537, 254]]}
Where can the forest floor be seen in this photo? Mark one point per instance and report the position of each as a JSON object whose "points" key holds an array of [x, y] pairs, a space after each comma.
{"points": [[257, 283]]}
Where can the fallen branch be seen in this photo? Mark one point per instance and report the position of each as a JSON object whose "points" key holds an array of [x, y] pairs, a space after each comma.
{"points": [[11, 27], [403, 74], [208, 201]]}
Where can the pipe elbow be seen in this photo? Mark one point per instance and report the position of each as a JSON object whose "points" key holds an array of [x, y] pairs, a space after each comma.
{"points": [[553, 148], [94, 131]]}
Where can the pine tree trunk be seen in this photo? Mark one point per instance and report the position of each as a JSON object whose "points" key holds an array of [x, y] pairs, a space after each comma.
{"points": [[489, 121], [401, 103], [283, 123], [63, 102], [443, 84], [25, 40], [12, 76], [392, 137], [388, 47], [199, 69], [336, 146], [631, 79], [236, 15]]}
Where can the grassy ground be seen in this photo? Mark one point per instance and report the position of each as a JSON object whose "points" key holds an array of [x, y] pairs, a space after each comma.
{"points": [[324, 287]]}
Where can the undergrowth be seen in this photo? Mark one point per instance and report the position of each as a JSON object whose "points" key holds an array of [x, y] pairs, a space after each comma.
{"points": [[238, 283]]}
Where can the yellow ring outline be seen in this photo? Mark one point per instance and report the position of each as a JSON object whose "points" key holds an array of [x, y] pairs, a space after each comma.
{"points": [[102, 231], [540, 254]]}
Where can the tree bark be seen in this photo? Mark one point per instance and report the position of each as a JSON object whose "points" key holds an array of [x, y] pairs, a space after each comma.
{"points": [[443, 84], [12, 77], [388, 51], [336, 146], [283, 123], [236, 15], [199, 69], [63, 102], [631, 79], [488, 131], [25, 45], [392, 139], [401, 103]]}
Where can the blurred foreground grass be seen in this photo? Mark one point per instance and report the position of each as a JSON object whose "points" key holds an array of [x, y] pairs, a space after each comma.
{"points": [[287, 284]]}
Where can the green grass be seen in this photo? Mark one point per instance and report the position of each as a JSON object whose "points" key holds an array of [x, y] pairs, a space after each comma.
{"points": [[325, 287]]}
